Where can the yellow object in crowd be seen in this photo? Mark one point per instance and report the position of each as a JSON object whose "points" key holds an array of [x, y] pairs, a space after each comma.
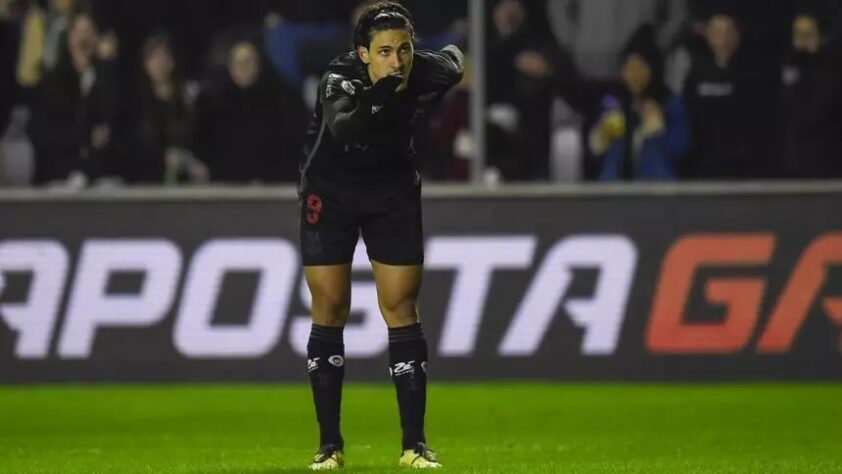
{"points": [[31, 57], [614, 124]]}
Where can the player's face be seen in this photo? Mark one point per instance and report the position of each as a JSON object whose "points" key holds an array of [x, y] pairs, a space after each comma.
{"points": [[389, 54]]}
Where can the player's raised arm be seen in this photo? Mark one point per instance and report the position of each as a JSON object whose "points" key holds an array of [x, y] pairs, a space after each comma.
{"points": [[349, 106], [442, 69]]}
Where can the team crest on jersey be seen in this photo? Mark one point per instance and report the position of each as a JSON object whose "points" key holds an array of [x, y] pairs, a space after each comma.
{"points": [[335, 82], [348, 87]]}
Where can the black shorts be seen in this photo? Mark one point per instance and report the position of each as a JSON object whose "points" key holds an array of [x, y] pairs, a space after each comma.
{"points": [[332, 221]]}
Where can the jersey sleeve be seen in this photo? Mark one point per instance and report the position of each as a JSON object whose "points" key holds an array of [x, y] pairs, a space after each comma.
{"points": [[458, 58], [335, 87], [345, 120], [442, 69]]}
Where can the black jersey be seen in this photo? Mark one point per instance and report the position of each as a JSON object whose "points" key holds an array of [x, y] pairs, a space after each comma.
{"points": [[382, 149]]}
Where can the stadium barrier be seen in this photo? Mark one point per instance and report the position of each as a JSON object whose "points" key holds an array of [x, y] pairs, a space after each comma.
{"points": [[638, 282]]}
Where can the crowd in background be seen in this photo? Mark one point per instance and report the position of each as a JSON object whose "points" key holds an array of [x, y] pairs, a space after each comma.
{"points": [[104, 92]]}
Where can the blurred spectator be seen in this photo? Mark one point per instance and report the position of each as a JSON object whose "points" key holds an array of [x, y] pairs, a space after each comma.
{"points": [[643, 131], [74, 107], [722, 105], [159, 128], [812, 96], [523, 62], [251, 126], [595, 31]]}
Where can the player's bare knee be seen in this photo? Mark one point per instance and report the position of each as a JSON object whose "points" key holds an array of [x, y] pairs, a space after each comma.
{"points": [[400, 313], [330, 320], [330, 312]]}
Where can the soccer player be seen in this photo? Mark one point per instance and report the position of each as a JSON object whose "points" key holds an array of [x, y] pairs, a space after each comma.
{"points": [[359, 177]]}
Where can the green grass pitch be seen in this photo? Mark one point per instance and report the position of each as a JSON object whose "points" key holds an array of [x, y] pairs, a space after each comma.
{"points": [[495, 427]]}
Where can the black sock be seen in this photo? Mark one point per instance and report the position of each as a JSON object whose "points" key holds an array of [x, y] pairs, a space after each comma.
{"points": [[326, 368], [408, 366]]}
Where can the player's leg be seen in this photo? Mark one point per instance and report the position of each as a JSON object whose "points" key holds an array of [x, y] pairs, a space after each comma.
{"points": [[329, 234], [330, 287], [395, 247], [397, 293]]}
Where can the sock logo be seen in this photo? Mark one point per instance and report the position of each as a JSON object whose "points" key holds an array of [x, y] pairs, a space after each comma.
{"points": [[424, 366], [336, 360], [313, 364], [402, 368]]}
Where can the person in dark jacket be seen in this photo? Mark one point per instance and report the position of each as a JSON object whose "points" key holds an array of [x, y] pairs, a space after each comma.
{"points": [[159, 129], [74, 108], [522, 59], [251, 127], [642, 134], [730, 108], [812, 99]]}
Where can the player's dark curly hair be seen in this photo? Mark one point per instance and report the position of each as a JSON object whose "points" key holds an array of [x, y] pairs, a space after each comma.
{"points": [[381, 16]]}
